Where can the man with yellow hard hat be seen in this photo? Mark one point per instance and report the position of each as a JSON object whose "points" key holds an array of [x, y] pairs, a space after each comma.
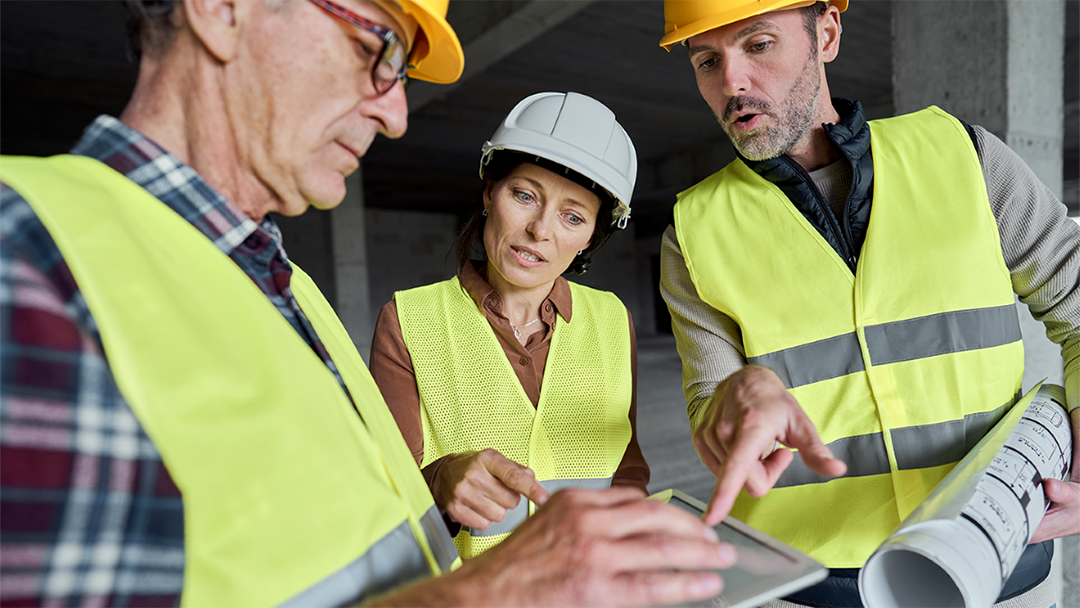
{"points": [[845, 288], [185, 420]]}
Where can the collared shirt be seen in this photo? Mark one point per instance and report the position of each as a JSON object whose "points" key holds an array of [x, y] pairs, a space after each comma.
{"points": [[391, 366], [89, 512]]}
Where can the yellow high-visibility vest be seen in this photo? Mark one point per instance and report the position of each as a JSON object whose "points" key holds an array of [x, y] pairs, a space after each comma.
{"points": [[902, 366], [290, 497], [470, 397]]}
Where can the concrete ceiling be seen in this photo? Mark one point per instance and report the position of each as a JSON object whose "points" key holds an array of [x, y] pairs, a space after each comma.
{"points": [[62, 63], [607, 50]]}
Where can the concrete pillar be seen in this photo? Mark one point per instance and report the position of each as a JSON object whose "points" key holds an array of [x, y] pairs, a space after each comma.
{"points": [[995, 63], [351, 263], [998, 64]]}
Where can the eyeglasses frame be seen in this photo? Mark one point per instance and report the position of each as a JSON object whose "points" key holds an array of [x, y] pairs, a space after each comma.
{"points": [[388, 36]]}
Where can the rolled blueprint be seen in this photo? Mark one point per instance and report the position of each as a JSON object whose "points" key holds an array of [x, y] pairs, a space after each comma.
{"points": [[961, 544]]}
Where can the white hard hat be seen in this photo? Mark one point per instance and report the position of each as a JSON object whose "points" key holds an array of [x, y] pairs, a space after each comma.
{"points": [[577, 132]]}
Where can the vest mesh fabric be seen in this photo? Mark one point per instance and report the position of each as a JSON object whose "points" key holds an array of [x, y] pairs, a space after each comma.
{"points": [[470, 546], [471, 399]]}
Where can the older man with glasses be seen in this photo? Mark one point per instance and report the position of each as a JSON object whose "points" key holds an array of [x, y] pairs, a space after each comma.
{"points": [[184, 417]]}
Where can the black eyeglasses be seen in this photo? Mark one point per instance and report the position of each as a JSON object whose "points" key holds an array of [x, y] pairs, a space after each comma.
{"points": [[392, 62]]}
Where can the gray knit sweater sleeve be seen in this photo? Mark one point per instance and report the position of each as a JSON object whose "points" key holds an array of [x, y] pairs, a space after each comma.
{"points": [[709, 342], [1041, 247]]}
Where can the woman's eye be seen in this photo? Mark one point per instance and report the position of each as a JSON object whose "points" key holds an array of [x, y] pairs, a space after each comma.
{"points": [[574, 219], [524, 197]]}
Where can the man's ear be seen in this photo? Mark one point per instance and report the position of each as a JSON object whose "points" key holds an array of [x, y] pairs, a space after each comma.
{"points": [[216, 23], [829, 30]]}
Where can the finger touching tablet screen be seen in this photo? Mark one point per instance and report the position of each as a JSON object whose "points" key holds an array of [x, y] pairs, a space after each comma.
{"points": [[765, 568]]}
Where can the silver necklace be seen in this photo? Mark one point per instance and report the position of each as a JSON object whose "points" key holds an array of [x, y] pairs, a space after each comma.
{"points": [[517, 334]]}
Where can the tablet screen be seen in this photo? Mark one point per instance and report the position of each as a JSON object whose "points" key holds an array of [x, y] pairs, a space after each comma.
{"points": [[765, 569]]}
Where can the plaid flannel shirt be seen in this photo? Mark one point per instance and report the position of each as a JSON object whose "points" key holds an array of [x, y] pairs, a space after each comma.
{"points": [[88, 513]]}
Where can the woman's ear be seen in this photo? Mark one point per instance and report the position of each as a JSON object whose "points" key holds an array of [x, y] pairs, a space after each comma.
{"points": [[489, 193], [217, 25]]}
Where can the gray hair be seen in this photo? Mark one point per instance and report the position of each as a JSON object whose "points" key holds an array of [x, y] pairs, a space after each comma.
{"points": [[811, 14], [152, 26]]}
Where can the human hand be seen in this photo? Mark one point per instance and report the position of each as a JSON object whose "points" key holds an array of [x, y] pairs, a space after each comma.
{"points": [[1063, 517], [609, 547], [748, 415], [478, 488]]}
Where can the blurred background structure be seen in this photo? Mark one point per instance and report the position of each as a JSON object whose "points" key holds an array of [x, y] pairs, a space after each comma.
{"points": [[1011, 66]]}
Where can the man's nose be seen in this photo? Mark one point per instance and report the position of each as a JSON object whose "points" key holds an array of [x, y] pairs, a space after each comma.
{"points": [[390, 110], [734, 76]]}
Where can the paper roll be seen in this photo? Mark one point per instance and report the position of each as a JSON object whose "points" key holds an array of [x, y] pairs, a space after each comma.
{"points": [[961, 544]]}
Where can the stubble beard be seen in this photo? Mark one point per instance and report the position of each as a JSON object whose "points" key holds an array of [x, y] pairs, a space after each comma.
{"points": [[794, 121]]}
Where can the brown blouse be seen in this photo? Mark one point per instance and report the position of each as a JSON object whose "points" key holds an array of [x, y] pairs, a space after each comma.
{"points": [[391, 366]]}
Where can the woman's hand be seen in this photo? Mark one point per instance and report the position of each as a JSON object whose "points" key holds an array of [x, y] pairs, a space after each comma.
{"points": [[478, 488]]}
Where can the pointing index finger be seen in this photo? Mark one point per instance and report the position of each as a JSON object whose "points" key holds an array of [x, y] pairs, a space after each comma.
{"points": [[736, 471]]}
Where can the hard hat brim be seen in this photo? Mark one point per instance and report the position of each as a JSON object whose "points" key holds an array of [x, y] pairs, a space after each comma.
{"points": [[743, 11], [437, 56]]}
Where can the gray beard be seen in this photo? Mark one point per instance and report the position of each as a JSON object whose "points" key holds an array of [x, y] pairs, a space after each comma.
{"points": [[793, 123]]}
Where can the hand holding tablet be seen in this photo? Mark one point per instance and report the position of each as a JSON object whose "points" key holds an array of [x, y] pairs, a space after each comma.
{"points": [[764, 569]]}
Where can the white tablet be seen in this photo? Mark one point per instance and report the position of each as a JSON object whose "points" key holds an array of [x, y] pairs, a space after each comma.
{"points": [[765, 568]]}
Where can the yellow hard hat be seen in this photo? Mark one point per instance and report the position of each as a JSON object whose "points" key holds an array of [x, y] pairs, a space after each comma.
{"points": [[436, 55], [687, 18]]}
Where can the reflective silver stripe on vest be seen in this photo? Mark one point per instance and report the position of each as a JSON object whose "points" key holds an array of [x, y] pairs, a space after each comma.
{"points": [[439, 539], [949, 332], [864, 455], [929, 336], [932, 445], [814, 362], [916, 447], [554, 485], [394, 560], [515, 516]]}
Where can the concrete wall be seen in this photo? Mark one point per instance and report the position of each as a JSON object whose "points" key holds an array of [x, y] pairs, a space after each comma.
{"points": [[406, 249], [648, 286], [995, 63], [351, 263]]}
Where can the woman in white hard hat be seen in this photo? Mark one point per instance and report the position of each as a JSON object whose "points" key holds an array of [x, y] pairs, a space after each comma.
{"points": [[508, 380]]}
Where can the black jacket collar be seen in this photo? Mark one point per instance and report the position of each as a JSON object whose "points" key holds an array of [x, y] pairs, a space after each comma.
{"points": [[851, 137]]}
